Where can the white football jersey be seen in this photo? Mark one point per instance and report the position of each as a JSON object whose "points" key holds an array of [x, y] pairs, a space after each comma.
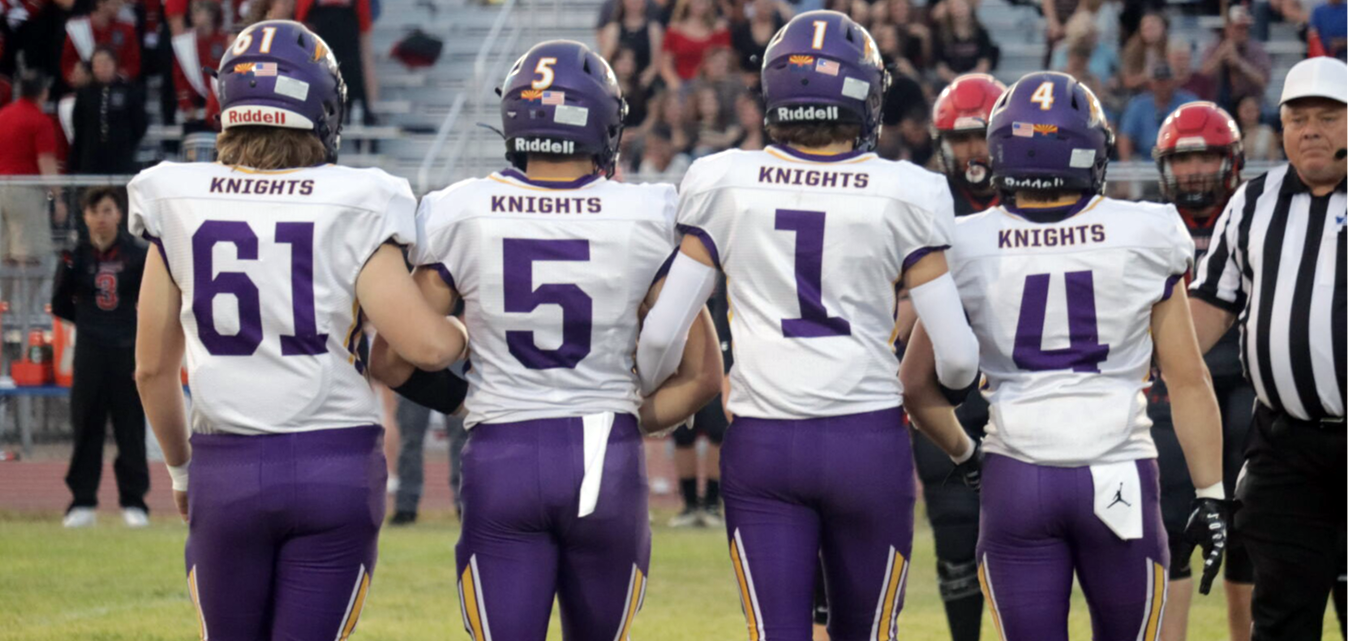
{"points": [[1063, 317], [267, 265], [551, 276], [813, 253]]}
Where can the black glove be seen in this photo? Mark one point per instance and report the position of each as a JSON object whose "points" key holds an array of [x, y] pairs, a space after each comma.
{"points": [[1207, 528], [970, 471], [441, 390]]}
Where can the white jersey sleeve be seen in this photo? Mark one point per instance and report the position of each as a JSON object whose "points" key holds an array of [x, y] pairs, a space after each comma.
{"points": [[267, 265], [1062, 312], [813, 252], [551, 280]]}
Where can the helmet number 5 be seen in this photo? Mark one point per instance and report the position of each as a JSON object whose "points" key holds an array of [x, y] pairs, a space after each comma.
{"points": [[1043, 96], [819, 27], [545, 74]]}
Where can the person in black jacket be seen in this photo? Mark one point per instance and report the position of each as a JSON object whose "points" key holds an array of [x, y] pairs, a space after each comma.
{"points": [[96, 289], [109, 120]]}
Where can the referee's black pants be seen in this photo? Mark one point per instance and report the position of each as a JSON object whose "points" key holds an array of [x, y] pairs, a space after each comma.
{"points": [[105, 387], [1292, 517]]}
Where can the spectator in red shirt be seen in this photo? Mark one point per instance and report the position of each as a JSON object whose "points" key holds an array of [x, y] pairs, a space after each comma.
{"points": [[30, 149], [694, 29], [110, 31], [194, 108]]}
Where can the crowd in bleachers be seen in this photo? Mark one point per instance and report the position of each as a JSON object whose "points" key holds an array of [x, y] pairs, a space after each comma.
{"points": [[689, 68], [110, 67]]}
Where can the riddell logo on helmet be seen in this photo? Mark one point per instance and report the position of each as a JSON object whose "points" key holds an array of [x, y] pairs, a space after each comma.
{"points": [[1011, 182], [257, 117], [788, 114], [543, 146]]}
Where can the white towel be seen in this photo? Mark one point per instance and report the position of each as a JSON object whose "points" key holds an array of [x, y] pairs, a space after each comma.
{"points": [[597, 428], [81, 37], [185, 48], [1118, 498]]}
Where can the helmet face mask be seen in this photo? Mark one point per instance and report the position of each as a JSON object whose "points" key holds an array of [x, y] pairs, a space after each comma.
{"points": [[278, 73], [1195, 180], [561, 98], [824, 68]]}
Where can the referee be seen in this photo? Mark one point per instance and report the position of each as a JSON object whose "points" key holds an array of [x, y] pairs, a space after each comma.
{"points": [[1278, 263]]}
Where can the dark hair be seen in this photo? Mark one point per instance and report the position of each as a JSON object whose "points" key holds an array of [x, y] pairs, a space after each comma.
{"points": [[32, 83], [105, 49], [813, 134], [95, 195]]}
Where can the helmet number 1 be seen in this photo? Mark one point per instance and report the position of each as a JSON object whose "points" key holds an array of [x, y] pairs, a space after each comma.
{"points": [[545, 73], [819, 27], [1043, 96]]}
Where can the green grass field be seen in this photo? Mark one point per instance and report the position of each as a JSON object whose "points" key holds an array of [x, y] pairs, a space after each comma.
{"points": [[109, 583]]}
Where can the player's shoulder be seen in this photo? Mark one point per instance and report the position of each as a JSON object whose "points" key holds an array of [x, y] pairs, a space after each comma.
{"points": [[153, 182], [718, 169], [1139, 214], [369, 182], [442, 206], [911, 183]]}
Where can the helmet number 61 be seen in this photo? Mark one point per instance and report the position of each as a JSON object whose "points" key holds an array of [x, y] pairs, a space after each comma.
{"points": [[1043, 96]]}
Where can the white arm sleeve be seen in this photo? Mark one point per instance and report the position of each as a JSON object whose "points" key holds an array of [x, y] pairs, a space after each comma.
{"points": [[660, 348], [937, 303]]}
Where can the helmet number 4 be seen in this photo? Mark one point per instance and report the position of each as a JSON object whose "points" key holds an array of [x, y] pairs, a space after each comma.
{"points": [[545, 73], [819, 27], [1043, 96], [245, 40]]}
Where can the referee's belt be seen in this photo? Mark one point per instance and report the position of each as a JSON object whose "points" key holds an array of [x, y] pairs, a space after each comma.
{"points": [[1327, 423]]}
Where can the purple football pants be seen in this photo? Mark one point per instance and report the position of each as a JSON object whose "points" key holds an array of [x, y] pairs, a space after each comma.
{"points": [[840, 488], [1039, 528], [283, 532], [523, 542]]}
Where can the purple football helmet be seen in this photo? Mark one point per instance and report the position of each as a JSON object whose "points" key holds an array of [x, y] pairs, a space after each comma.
{"points": [[277, 73], [1048, 132], [823, 67], [562, 98]]}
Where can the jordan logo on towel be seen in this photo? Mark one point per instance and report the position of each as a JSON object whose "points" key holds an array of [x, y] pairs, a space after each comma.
{"points": [[1118, 498]]}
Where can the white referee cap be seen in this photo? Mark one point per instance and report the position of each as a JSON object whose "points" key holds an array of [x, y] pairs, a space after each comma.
{"points": [[1319, 77]]}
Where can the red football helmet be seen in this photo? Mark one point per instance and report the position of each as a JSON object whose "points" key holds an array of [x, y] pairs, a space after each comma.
{"points": [[1199, 127], [965, 106]]}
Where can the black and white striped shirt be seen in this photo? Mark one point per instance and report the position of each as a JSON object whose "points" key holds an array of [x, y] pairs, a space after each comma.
{"points": [[1277, 260]]}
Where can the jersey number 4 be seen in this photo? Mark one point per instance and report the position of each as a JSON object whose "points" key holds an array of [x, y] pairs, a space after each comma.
{"points": [[306, 341], [814, 321], [1084, 352], [519, 255]]}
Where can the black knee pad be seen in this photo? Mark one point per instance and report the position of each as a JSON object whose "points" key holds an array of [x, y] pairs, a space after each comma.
{"points": [[1180, 567], [957, 580]]}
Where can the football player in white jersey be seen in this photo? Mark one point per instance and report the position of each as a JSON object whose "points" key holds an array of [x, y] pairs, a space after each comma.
{"points": [[554, 263], [1070, 293], [267, 263], [815, 235]]}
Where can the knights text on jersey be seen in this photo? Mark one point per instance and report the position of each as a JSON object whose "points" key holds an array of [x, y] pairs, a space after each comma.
{"points": [[267, 265], [1062, 312], [813, 251], [551, 276]]}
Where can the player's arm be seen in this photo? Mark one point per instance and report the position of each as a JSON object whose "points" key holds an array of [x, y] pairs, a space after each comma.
{"points": [[1197, 418], [689, 283], [159, 357], [433, 387], [697, 381], [932, 413], [937, 302]]}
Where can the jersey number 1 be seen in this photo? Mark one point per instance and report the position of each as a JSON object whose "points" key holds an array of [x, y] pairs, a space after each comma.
{"points": [[814, 321], [306, 341], [1084, 352]]}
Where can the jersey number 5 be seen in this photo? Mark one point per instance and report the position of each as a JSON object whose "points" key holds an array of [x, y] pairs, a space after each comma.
{"points": [[1084, 352], [522, 297], [306, 341], [814, 321]]}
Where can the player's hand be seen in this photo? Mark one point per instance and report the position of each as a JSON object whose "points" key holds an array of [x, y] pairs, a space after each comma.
{"points": [[971, 471], [180, 499], [1207, 528]]}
